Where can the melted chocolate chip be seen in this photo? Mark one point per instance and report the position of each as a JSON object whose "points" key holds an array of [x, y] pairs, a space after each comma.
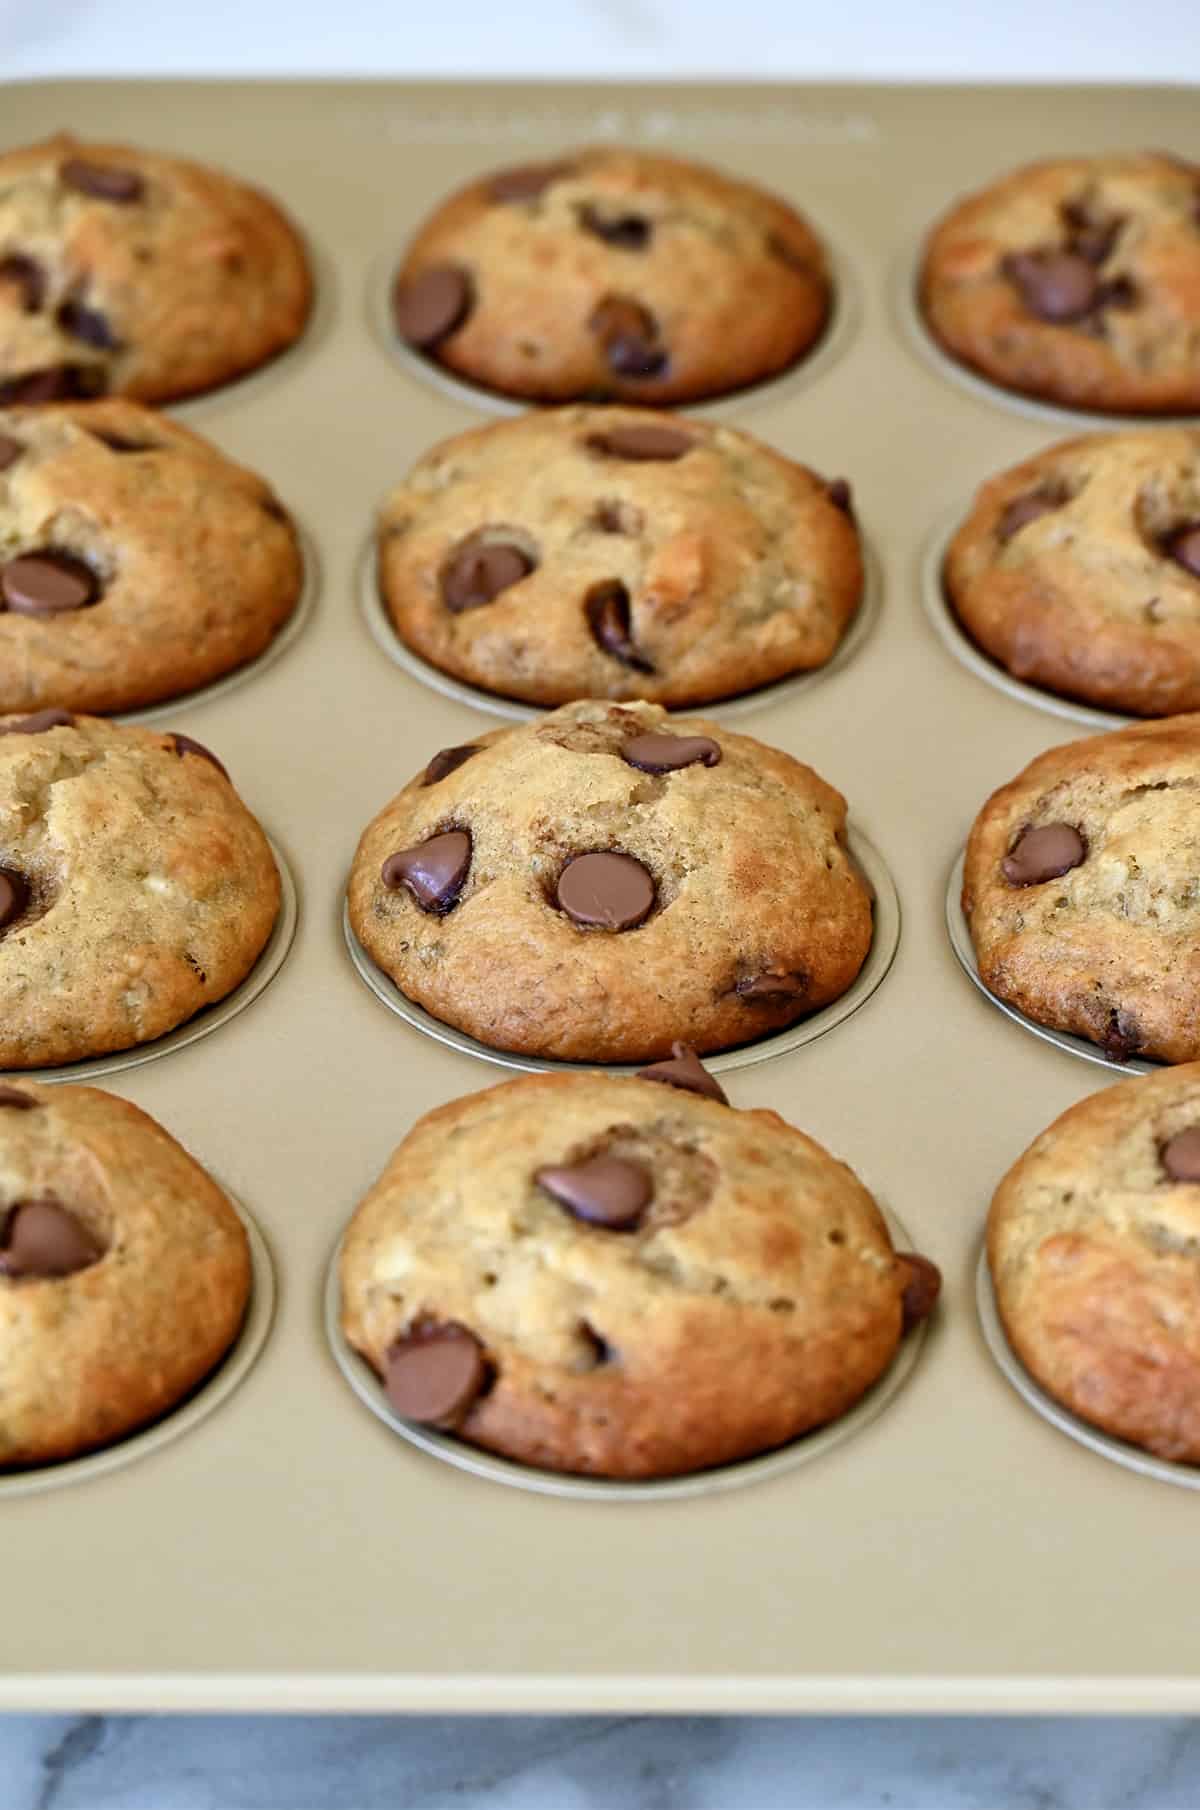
{"points": [[772, 987], [14, 895], [41, 1238], [1122, 1038], [684, 1069], [1055, 285], [49, 583], [10, 451], [922, 1286], [102, 181], [630, 337], [631, 232], [607, 608], [605, 891], [840, 495], [1180, 1155], [39, 722], [56, 383], [640, 441], [1043, 854], [26, 276], [12, 1096], [431, 305], [87, 325], [185, 745], [604, 1191], [527, 182], [479, 569], [447, 761], [669, 753], [1025, 509], [433, 871], [1090, 234], [435, 1373], [1184, 548]]}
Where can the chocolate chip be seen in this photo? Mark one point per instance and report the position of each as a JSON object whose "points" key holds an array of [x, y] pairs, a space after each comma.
{"points": [[432, 304], [41, 1238], [433, 871], [1181, 1155], [12, 1096], [26, 276], [14, 895], [1043, 854], [1122, 1038], [102, 181], [10, 451], [684, 1069], [607, 609], [1118, 292], [606, 891], [669, 753], [599, 1349], [185, 745], [47, 584], [39, 722], [772, 986], [56, 383], [922, 1286], [86, 324], [629, 335], [1055, 285], [526, 182], [631, 232], [479, 569], [604, 1190], [640, 441], [447, 761], [435, 1373], [1025, 509], [1090, 234], [840, 495], [1184, 548]]}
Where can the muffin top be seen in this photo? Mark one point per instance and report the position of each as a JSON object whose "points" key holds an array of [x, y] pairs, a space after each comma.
{"points": [[1092, 1241], [612, 273], [1077, 280], [135, 886], [604, 881], [598, 1274], [614, 552], [124, 1271], [123, 270]]}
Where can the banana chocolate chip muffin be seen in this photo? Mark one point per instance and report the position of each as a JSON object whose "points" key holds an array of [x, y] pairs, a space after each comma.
{"points": [[1081, 888], [613, 273], [603, 882], [135, 886], [130, 272], [124, 1272], [1076, 280], [1079, 570], [1092, 1241], [590, 1274], [136, 561], [613, 552]]}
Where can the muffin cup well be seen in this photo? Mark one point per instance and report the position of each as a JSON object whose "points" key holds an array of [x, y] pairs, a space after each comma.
{"points": [[204, 1399], [960, 941], [493, 1469], [885, 938]]}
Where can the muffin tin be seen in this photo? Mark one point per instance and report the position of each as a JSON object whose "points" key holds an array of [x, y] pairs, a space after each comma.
{"points": [[290, 1552]]}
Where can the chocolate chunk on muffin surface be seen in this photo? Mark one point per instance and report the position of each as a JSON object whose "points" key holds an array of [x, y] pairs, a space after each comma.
{"points": [[127, 272], [598, 1275], [1079, 570], [548, 894], [135, 887], [1076, 280], [1082, 894], [124, 1272], [612, 273], [136, 561], [613, 552]]}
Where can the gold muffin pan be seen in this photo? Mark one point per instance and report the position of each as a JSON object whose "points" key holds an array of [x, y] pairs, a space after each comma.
{"points": [[885, 937], [208, 1395], [492, 1469], [384, 633], [295, 1553], [209, 1018]]}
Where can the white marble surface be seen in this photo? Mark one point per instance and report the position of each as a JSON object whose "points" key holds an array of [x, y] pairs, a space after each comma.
{"points": [[227, 1763]]}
